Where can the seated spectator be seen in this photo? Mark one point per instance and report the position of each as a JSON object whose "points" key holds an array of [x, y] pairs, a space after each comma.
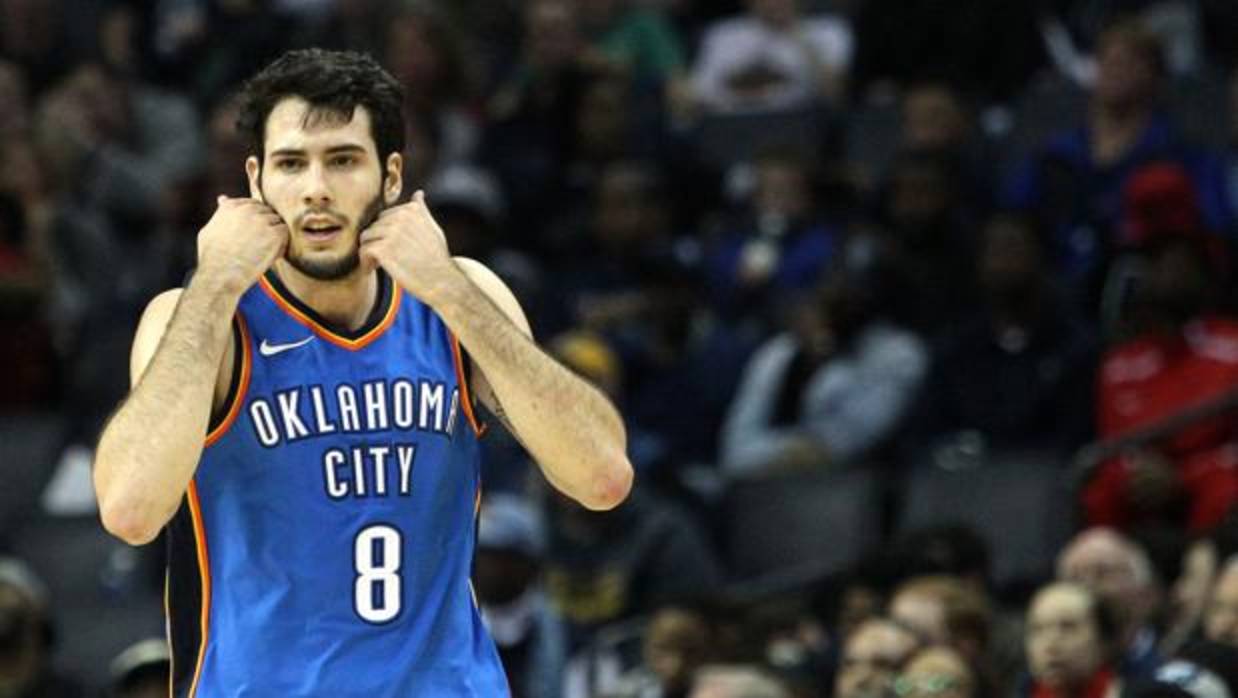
{"points": [[945, 611], [1077, 178], [1220, 623], [677, 643], [937, 672], [721, 681], [529, 635], [1071, 642], [26, 638], [824, 393], [1118, 570], [872, 656], [922, 250], [142, 670], [603, 567], [781, 244], [1181, 355], [772, 57], [1020, 372]]}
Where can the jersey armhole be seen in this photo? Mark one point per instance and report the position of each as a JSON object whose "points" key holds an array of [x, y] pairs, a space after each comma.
{"points": [[464, 376], [240, 354]]}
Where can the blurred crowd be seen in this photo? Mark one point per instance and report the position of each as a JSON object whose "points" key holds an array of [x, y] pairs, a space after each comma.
{"points": [[803, 244]]}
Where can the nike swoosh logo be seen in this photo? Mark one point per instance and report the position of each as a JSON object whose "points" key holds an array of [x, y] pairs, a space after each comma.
{"points": [[268, 349]]}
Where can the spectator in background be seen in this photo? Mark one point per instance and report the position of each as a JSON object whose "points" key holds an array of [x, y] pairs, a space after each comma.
{"points": [[1188, 598], [772, 58], [632, 39], [945, 611], [872, 656], [677, 643], [825, 393], [26, 669], [1071, 643], [1077, 178], [609, 566], [937, 672], [530, 637], [1020, 371], [33, 35], [1220, 622], [1118, 570], [1180, 355], [142, 670], [989, 50], [922, 253], [936, 116], [722, 681], [780, 246]]}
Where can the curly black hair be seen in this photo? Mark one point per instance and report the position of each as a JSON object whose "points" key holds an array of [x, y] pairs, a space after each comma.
{"points": [[334, 83]]}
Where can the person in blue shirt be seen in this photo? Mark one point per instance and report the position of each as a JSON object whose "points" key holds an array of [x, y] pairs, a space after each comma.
{"points": [[302, 417]]}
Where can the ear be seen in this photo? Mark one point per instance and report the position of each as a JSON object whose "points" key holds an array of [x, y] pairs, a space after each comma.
{"points": [[393, 180], [253, 172]]}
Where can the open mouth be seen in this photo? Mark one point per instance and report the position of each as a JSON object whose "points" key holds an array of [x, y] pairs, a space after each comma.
{"points": [[321, 231]]}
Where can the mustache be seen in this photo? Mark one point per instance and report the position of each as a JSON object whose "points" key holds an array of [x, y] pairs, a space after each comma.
{"points": [[337, 218]]}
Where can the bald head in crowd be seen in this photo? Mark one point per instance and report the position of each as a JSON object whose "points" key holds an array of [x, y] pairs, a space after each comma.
{"points": [[873, 655], [1115, 568], [1221, 614]]}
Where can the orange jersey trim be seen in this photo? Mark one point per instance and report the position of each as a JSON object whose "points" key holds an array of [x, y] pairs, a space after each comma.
{"points": [[204, 570], [167, 614], [466, 399], [326, 333], [242, 387]]}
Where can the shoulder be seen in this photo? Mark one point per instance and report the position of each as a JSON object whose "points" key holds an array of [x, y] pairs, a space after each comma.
{"points": [[495, 289], [159, 310]]}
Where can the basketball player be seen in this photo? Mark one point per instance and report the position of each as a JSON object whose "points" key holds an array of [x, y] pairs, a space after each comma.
{"points": [[331, 351]]}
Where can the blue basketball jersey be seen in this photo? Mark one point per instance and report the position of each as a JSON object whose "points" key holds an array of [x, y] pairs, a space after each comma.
{"points": [[325, 543]]}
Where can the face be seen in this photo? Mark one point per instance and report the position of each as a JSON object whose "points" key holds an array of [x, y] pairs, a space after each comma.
{"points": [[782, 188], [1221, 616], [325, 179], [1178, 280], [553, 35], [922, 612], [1009, 257], [872, 657], [933, 118], [1106, 564], [935, 673], [1063, 643], [1124, 75], [776, 12], [676, 644]]}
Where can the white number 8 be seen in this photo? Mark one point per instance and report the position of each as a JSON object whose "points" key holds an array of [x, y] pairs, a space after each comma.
{"points": [[384, 575]]}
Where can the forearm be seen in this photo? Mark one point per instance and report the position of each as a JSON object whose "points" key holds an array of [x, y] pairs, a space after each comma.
{"points": [[567, 425], [151, 446]]}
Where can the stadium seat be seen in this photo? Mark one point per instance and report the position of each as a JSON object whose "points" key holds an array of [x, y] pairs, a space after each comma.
{"points": [[815, 519], [1019, 503]]}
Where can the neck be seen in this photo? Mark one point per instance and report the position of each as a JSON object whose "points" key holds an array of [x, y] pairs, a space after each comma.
{"points": [[346, 302]]}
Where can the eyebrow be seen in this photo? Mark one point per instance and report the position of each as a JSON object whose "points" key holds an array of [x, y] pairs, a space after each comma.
{"points": [[333, 150]]}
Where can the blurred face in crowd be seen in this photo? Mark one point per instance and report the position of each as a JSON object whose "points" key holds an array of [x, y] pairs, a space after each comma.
{"points": [[782, 189], [1191, 590], [677, 644], [1010, 257], [920, 196], [922, 611], [412, 55], [872, 657], [937, 672], [1113, 567], [553, 37], [1178, 279], [1221, 616], [1126, 72], [627, 214], [777, 13], [602, 121], [325, 179], [21, 653], [933, 117], [1063, 641]]}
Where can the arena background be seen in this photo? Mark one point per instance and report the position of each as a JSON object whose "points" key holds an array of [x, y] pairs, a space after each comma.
{"points": [[884, 289]]}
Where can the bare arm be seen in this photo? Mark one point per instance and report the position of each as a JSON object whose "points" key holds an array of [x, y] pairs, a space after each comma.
{"points": [[150, 448], [567, 425]]}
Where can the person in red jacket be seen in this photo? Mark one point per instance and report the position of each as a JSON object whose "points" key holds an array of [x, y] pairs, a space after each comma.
{"points": [[1183, 353]]}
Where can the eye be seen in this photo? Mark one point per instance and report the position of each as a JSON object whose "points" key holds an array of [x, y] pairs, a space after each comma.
{"points": [[342, 161], [289, 164]]}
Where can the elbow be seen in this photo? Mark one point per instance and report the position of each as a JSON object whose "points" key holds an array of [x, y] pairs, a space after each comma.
{"points": [[127, 525], [610, 486]]}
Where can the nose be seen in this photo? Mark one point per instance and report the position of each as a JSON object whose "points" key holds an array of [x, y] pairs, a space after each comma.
{"points": [[317, 193]]}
